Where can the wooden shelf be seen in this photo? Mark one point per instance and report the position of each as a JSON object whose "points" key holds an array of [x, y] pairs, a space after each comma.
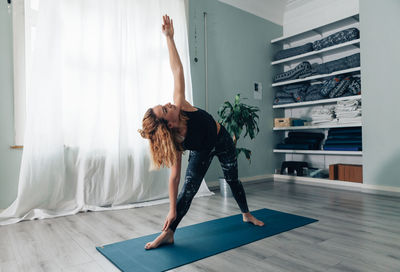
{"points": [[316, 102], [351, 70], [332, 49], [319, 152], [335, 125]]}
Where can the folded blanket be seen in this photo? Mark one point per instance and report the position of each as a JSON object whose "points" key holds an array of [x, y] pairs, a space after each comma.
{"points": [[337, 38], [341, 148], [308, 135], [290, 52], [336, 65], [294, 73], [294, 146]]}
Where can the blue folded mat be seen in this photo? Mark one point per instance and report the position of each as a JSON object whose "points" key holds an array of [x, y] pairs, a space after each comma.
{"points": [[199, 241]]}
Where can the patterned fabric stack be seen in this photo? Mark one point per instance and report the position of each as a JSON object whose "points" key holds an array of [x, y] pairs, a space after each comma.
{"points": [[338, 86], [314, 93], [334, 39], [291, 93], [337, 38], [294, 51], [302, 70], [305, 69], [348, 62]]}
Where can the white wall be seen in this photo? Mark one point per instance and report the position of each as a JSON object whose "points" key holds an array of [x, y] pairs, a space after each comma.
{"points": [[380, 58], [271, 10], [302, 15]]}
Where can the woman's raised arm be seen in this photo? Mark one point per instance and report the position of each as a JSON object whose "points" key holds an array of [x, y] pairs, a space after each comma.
{"points": [[175, 62]]}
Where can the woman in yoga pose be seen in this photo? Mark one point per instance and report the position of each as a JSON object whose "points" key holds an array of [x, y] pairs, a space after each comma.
{"points": [[173, 128]]}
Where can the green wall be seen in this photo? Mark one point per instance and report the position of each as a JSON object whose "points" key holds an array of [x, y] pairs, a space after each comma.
{"points": [[380, 59], [239, 53], [9, 159]]}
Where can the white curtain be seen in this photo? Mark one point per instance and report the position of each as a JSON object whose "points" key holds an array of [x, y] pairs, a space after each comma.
{"points": [[97, 65]]}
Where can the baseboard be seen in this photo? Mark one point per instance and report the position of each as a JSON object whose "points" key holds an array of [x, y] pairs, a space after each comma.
{"points": [[214, 185], [344, 185]]}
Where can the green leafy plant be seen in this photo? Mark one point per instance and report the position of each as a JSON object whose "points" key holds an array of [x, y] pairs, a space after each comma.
{"points": [[237, 117]]}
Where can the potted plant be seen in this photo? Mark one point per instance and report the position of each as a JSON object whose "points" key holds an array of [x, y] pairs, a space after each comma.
{"points": [[235, 118]]}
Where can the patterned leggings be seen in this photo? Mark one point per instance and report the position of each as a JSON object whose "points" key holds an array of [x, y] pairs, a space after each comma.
{"points": [[199, 161]]}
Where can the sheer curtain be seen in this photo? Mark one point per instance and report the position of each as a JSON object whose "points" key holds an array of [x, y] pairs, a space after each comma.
{"points": [[97, 65]]}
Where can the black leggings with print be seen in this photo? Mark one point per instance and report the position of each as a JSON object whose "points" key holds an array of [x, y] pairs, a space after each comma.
{"points": [[199, 161]]}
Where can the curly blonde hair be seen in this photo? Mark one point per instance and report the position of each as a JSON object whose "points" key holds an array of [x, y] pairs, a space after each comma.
{"points": [[164, 144]]}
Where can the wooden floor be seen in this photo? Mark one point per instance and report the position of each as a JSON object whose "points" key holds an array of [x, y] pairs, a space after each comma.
{"points": [[355, 232]]}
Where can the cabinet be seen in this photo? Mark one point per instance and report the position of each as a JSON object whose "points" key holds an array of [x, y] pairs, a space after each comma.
{"points": [[320, 159]]}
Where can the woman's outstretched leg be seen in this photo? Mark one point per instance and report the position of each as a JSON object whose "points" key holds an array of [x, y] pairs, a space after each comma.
{"points": [[226, 153], [197, 168]]}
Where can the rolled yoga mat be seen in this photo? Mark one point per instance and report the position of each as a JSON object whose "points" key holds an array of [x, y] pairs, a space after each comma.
{"points": [[199, 241]]}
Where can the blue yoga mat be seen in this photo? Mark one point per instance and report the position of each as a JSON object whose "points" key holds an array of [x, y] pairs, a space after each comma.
{"points": [[199, 241]]}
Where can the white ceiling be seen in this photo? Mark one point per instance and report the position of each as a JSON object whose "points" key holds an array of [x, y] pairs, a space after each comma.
{"points": [[272, 10]]}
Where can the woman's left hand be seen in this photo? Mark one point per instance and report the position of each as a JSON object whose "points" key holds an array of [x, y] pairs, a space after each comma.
{"points": [[170, 218], [168, 26]]}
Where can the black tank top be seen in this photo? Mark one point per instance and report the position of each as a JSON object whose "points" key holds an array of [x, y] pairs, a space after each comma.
{"points": [[201, 133]]}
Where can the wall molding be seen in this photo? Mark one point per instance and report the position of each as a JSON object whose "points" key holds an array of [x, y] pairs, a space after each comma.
{"points": [[334, 184], [326, 183]]}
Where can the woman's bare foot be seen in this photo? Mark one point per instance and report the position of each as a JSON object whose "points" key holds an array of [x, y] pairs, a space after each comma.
{"points": [[248, 217], [166, 237]]}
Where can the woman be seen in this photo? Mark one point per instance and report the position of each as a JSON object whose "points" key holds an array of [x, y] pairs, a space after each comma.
{"points": [[173, 128]]}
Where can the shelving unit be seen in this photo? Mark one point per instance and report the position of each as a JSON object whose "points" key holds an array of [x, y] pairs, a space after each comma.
{"points": [[316, 102], [320, 53], [319, 152], [318, 30], [336, 125], [347, 71], [299, 109]]}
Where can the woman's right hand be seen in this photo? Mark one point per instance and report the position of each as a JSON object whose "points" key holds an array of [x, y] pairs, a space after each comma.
{"points": [[168, 27], [170, 218]]}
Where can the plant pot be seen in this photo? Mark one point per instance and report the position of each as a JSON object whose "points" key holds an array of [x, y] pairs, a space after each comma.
{"points": [[224, 188]]}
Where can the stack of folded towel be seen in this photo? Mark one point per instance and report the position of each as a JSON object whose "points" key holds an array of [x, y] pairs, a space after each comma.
{"points": [[344, 139], [348, 111], [302, 141], [323, 115]]}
